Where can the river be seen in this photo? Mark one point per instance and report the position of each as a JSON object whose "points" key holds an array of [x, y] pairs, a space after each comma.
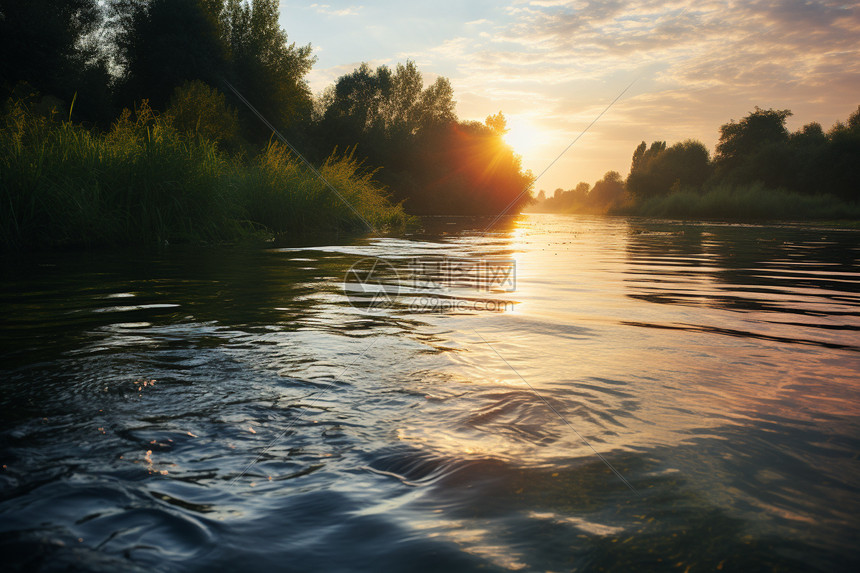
{"points": [[625, 395]]}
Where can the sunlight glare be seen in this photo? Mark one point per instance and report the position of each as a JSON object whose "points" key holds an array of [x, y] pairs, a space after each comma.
{"points": [[522, 136]]}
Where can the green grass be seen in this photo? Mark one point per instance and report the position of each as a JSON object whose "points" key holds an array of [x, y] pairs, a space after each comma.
{"points": [[754, 202], [144, 182]]}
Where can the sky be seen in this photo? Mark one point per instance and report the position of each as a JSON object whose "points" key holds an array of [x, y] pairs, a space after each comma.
{"points": [[552, 66]]}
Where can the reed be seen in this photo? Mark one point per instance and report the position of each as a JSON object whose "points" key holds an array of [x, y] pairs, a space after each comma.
{"points": [[145, 182]]}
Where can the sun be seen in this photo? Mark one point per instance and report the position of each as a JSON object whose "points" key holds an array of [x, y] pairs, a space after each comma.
{"points": [[522, 136]]}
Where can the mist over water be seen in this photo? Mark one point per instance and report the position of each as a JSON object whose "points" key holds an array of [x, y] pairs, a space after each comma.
{"points": [[229, 408]]}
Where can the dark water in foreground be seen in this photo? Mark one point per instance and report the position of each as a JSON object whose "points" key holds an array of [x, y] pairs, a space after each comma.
{"points": [[715, 367]]}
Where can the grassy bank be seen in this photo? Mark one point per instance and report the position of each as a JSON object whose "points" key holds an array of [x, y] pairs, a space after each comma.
{"points": [[753, 202], [146, 182]]}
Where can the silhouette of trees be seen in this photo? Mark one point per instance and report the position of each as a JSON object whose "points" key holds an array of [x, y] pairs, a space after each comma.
{"points": [[658, 169], [608, 191], [161, 44], [53, 46], [433, 162], [607, 194], [263, 64], [379, 106], [839, 168], [757, 154], [760, 149]]}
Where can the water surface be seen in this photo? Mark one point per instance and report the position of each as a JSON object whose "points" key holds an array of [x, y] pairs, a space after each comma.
{"points": [[194, 408]]}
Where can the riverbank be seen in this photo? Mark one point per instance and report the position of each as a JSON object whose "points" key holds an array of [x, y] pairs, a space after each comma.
{"points": [[752, 202], [145, 182]]}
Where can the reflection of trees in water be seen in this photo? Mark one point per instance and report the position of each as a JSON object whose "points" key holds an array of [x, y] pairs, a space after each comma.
{"points": [[717, 260]]}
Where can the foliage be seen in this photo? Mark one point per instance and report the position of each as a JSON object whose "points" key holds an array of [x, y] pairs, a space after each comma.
{"points": [[175, 55], [161, 44], [739, 140], [752, 202], [263, 64], [761, 171], [607, 194], [53, 46], [434, 163], [760, 149], [658, 170], [199, 110], [145, 182]]}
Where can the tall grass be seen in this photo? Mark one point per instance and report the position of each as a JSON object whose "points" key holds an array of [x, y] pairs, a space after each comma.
{"points": [[144, 182], [753, 202], [309, 205]]}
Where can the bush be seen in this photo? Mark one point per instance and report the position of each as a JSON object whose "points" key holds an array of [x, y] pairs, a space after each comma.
{"points": [[146, 182], [752, 202], [201, 111]]}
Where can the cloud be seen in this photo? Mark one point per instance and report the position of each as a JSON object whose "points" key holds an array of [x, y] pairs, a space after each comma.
{"points": [[699, 64], [329, 11]]}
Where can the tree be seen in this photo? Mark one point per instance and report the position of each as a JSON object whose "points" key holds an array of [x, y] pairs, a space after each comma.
{"points": [[53, 46], [740, 140], [431, 161], [608, 191], [838, 171], [161, 44], [659, 170], [202, 111], [264, 66], [497, 123]]}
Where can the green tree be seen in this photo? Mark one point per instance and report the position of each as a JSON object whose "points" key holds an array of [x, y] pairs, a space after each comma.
{"points": [[838, 169], [497, 123], [740, 140], [268, 69], [202, 111], [430, 160]]}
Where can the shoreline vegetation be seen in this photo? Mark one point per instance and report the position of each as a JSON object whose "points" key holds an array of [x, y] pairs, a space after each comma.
{"points": [[117, 128], [760, 172], [146, 182]]}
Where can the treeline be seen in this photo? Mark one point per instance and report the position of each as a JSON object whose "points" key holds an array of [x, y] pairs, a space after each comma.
{"points": [[760, 170], [432, 161], [147, 181], [97, 64]]}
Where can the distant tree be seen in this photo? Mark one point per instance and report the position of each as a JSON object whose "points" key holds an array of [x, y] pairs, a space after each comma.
{"points": [[638, 156], [801, 160], [541, 197], [839, 168], [497, 123], [657, 170], [582, 188], [608, 191]]}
